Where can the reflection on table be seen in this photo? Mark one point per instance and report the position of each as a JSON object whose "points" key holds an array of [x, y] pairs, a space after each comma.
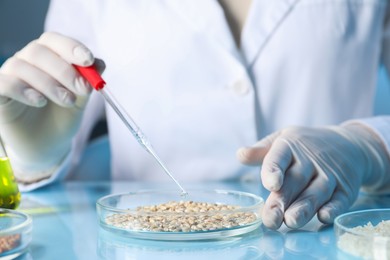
{"points": [[65, 226]]}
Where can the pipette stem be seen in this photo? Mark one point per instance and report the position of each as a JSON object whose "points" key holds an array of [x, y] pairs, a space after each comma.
{"points": [[138, 134], [153, 153], [93, 77]]}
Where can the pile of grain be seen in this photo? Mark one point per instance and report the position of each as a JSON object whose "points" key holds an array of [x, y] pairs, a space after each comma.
{"points": [[183, 216], [372, 243], [9, 242]]}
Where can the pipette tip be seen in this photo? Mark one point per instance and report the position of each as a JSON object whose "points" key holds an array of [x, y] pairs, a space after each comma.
{"points": [[183, 194]]}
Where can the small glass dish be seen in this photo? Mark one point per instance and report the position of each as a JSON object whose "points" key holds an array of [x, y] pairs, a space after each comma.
{"points": [[364, 234], [15, 233], [164, 215]]}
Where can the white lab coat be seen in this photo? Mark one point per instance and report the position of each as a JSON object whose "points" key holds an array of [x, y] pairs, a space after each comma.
{"points": [[175, 68]]}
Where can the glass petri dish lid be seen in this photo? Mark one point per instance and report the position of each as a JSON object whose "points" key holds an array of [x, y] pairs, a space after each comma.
{"points": [[164, 215], [15, 233], [364, 234]]}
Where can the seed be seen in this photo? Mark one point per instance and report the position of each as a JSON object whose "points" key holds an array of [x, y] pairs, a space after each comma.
{"points": [[191, 217], [9, 242]]}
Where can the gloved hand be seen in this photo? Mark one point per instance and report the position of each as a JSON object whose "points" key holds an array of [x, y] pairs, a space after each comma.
{"points": [[42, 98], [317, 170]]}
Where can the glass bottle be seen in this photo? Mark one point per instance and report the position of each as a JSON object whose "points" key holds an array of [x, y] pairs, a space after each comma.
{"points": [[9, 190]]}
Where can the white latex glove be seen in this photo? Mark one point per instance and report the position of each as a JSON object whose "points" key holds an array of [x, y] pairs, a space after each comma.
{"points": [[42, 98], [317, 170]]}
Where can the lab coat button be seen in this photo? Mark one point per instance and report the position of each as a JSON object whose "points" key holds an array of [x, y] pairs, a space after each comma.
{"points": [[241, 88]]}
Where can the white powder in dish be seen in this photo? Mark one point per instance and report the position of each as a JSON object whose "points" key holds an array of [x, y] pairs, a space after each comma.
{"points": [[373, 242]]}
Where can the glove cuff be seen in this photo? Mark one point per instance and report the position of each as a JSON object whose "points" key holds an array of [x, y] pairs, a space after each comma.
{"points": [[29, 176]]}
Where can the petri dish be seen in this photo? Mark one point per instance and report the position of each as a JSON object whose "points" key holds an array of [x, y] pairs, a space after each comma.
{"points": [[165, 215], [364, 234], [15, 233]]}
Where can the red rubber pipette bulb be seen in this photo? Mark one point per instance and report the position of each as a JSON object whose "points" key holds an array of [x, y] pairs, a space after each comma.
{"points": [[92, 76]]}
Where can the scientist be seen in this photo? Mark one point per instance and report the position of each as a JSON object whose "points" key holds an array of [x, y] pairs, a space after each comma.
{"points": [[290, 81]]}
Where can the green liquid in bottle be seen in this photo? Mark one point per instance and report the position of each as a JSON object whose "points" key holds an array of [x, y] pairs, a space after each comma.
{"points": [[9, 191]]}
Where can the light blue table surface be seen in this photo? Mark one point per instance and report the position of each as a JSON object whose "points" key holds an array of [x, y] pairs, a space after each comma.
{"points": [[65, 226]]}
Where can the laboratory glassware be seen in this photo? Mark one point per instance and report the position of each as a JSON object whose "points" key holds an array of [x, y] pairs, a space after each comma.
{"points": [[93, 77]]}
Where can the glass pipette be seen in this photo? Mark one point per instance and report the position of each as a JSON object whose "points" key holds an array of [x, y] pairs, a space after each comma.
{"points": [[96, 81]]}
